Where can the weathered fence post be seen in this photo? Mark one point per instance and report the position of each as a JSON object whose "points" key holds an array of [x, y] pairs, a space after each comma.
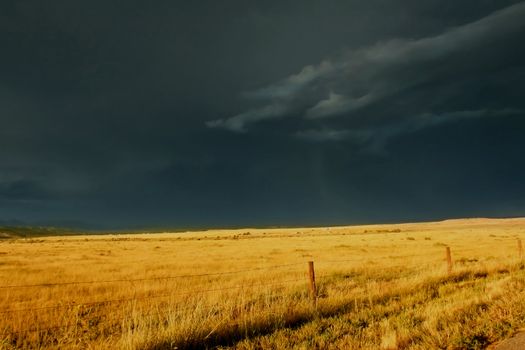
{"points": [[520, 249], [449, 260], [311, 279]]}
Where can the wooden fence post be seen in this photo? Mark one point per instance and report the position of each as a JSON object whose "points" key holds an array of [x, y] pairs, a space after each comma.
{"points": [[449, 260], [520, 249], [311, 279]]}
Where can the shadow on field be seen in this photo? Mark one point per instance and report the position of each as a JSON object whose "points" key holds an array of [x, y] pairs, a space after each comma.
{"points": [[229, 334]]}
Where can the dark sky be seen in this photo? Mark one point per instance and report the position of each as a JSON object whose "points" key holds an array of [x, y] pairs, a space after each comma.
{"points": [[127, 114]]}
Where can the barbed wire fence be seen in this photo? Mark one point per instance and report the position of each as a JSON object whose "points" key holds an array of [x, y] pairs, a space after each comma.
{"points": [[311, 280]]}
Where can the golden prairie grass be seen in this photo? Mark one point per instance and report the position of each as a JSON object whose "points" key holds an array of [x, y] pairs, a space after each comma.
{"points": [[379, 287]]}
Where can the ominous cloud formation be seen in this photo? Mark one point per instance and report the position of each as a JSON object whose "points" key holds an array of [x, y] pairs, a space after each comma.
{"points": [[364, 77], [132, 114]]}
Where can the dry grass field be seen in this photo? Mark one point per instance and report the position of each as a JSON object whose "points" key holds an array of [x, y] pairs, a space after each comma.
{"points": [[379, 287]]}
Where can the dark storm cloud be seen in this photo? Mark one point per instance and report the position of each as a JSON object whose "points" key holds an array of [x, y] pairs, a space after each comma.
{"points": [[345, 86], [22, 190], [126, 113], [374, 138]]}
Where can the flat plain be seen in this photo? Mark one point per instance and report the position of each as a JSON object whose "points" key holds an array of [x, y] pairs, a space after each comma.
{"points": [[378, 287]]}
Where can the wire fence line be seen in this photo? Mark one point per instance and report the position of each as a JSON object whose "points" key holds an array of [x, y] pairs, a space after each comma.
{"points": [[52, 284], [71, 305], [167, 295], [178, 309], [49, 284]]}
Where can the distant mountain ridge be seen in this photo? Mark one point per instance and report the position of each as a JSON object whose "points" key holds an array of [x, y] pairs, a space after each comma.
{"points": [[7, 232]]}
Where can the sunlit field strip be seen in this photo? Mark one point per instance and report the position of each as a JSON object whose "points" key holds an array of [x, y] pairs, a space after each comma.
{"points": [[349, 267]]}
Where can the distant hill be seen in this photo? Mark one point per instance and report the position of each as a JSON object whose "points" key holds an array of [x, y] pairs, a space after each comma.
{"points": [[7, 232]]}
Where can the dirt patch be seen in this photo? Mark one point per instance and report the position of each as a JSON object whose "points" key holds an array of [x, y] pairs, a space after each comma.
{"points": [[517, 342]]}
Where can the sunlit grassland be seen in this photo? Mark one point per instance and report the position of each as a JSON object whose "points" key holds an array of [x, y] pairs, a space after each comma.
{"points": [[380, 286]]}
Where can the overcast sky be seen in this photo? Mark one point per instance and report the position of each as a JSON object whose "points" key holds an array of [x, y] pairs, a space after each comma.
{"points": [[128, 114]]}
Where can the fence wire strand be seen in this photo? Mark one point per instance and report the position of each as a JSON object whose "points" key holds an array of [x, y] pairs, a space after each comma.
{"points": [[147, 278], [156, 311], [167, 295]]}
